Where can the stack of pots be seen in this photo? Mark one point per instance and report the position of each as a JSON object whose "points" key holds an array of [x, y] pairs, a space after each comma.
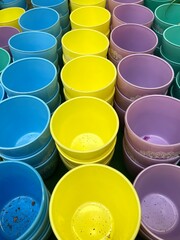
{"points": [[25, 133], [89, 75], [153, 4], [85, 131], [170, 48], [5, 33], [61, 6], [131, 38], [24, 203], [2, 93], [5, 59], [139, 75], [13, 3], [175, 88], [33, 44], [35, 19], [9, 16], [34, 76], [151, 135], [111, 4], [79, 42], [132, 13], [74, 4], [98, 19], [165, 16]]}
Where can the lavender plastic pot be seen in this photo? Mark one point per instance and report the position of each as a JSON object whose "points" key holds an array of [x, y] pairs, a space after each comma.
{"points": [[40, 19], [5, 33], [151, 123], [61, 6], [133, 167], [33, 44], [131, 38], [144, 160], [121, 99], [142, 74], [158, 190], [111, 4], [114, 61], [120, 112], [132, 13]]}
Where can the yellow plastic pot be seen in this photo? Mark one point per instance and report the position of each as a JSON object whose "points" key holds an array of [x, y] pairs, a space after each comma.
{"points": [[94, 202], [92, 17], [80, 42], [84, 127], [89, 75], [10, 16]]}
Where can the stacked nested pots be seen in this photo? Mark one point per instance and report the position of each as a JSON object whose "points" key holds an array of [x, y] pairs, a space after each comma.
{"points": [[85, 131], [24, 203], [151, 135], [89, 75], [166, 20], [140, 75], [27, 138]]}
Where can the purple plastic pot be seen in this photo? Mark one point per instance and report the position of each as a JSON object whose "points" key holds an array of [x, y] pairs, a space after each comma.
{"points": [[143, 74], [131, 38], [112, 59], [122, 101], [111, 4], [133, 167], [152, 124], [5, 33], [144, 160], [120, 112], [158, 189], [132, 13]]}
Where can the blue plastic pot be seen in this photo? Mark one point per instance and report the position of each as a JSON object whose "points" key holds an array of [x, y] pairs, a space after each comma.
{"points": [[2, 92], [13, 3], [61, 6], [31, 76], [24, 125], [33, 44], [47, 168], [24, 202], [40, 19], [36, 158]]}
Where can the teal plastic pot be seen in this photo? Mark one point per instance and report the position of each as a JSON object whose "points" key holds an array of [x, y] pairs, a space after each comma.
{"points": [[166, 15]]}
